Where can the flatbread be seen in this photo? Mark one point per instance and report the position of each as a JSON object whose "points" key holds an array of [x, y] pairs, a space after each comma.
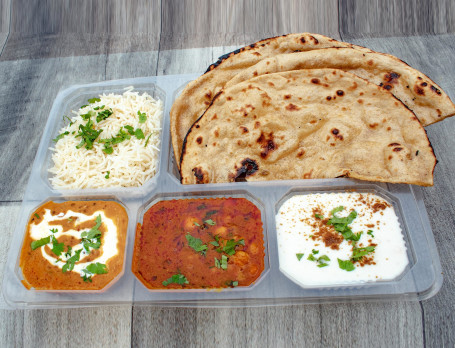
{"points": [[198, 94], [302, 124], [417, 91]]}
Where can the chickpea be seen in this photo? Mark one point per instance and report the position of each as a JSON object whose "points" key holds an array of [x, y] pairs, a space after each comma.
{"points": [[253, 248], [221, 231], [240, 258], [189, 223]]}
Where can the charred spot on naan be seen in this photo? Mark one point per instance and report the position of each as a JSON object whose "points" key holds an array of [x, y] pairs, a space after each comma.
{"points": [[202, 176], [267, 144], [248, 167]]}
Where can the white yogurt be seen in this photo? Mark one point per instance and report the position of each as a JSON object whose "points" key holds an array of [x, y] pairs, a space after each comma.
{"points": [[109, 246], [296, 222]]}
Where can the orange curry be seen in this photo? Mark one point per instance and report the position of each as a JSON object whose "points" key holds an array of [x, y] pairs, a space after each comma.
{"points": [[199, 243], [65, 224]]}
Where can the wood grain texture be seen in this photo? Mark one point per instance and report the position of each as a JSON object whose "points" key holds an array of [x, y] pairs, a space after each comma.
{"points": [[236, 327], [419, 53], [379, 18]]}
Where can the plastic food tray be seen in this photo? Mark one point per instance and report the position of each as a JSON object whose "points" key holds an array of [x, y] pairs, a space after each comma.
{"points": [[421, 280]]}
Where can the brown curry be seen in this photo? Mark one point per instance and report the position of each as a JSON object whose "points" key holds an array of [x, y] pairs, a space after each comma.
{"points": [[69, 234]]}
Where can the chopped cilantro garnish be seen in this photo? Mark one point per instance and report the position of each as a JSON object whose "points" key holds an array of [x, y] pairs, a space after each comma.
{"points": [[107, 175], [299, 256], [232, 283], [69, 265], [88, 115], [92, 238], [370, 232], [102, 115], [37, 216], [321, 261], [60, 136], [139, 134], [198, 225], [53, 230], [223, 263], [142, 117], [210, 213], [147, 140], [341, 224], [315, 251], [346, 265], [358, 253], [40, 242], [215, 243], [176, 279], [229, 248], [57, 248], [88, 135], [210, 222], [66, 117], [318, 216], [130, 129], [311, 258], [94, 100], [94, 268], [196, 244]]}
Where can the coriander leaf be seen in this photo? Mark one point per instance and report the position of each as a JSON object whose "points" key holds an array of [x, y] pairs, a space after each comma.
{"points": [[87, 278], [94, 100], [142, 117], [108, 150], [139, 134], [96, 268], [60, 136], [229, 248], [53, 230], [40, 242], [210, 213], [337, 209], [299, 256], [217, 263], [129, 129], [318, 216], [88, 134], [224, 263], [215, 243], [311, 258], [107, 175], [83, 106], [346, 265], [196, 224], [68, 251], [236, 283], [176, 279], [88, 115], [370, 232], [210, 222], [57, 248], [322, 264], [324, 258], [37, 216], [69, 265], [196, 244], [66, 117], [315, 251], [358, 253], [147, 141], [102, 115]]}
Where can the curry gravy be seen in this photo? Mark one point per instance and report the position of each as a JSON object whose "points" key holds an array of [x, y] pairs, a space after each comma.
{"points": [[42, 269]]}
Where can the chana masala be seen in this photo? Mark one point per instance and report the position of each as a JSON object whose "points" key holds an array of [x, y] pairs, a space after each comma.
{"points": [[199, 243], [74, 245]]}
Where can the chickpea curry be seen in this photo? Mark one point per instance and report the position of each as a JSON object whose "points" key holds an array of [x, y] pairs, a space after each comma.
{"points": [[199, 243]]}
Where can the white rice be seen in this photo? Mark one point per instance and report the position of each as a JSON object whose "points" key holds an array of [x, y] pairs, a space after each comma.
{"points": [[130, 165]]}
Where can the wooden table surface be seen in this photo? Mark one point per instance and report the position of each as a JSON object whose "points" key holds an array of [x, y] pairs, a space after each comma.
{"points": [[46, 46]]}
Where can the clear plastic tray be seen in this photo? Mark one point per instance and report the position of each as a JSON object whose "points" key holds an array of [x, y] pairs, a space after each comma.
{"points": [[421, 280]]}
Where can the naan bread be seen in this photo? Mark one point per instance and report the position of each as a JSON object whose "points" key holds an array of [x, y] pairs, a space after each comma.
{"points": [[317, 123], [424, 97], [198, 94]]}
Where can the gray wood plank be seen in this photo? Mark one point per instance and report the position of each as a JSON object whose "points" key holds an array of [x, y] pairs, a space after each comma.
{"points": [[28, 89], [12, 321], [396, 17], [419, 52], [5, 7], [369, 325], [314, 16], [235, 327], [100, 327]]}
